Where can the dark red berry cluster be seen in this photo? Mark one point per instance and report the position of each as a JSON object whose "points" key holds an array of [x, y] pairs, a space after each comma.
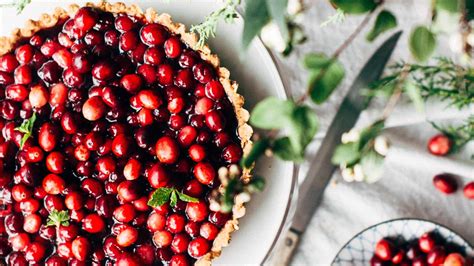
{"points": [[429, 249], [122, 107]]}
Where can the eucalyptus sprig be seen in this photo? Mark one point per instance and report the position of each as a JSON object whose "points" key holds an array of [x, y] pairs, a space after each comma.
{"points": [[163, 195], [26, 128]]}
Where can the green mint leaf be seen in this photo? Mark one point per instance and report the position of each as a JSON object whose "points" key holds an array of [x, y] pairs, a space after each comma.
{"points": [[369, 133], [355, 6], [272, 113], [160, 197], [385, 21], [57, 218], [277, 10], [257, 150], [304, 125], [257, 184], [186, 198], [323, 81], [422, 43], [451, 6], [256, 17], [414, 93], [346, 154], [26, 128], [316, 61], [284, 150], [173, 198], [372, 166]]}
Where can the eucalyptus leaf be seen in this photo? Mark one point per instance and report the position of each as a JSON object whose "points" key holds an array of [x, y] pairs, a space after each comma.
{"points": [[316, 61], [347, 154], [272, 113], [284, 150], [372, 166], [370, 132], [323, 81], [256, 17], [257, 150], [449, 5], [277, 10], [422, 43], [384, 22], [304, 125], [414, 93], [355, 6]]}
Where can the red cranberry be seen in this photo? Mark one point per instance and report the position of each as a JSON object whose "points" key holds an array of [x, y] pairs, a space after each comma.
{"points": [[53, 184], [55, 162], [72, 78], [177, 121], [187, 135], [35, 252], [93, 223], [63, 58], [81, 153], [132, 169], [384, 250], [209, 231], [157, 176], [165, 74], [65, 40], [193, 188], [34, 154], [85, 19], [50, 72], [454, 259], [184, 79], [153, 56], [8, 63], [162, 238], [436, 256], [128, 191], [93, 109], [173, 47], [128, 260], [128, 41], [125, 213], [124, 23], [103, 70], [23, 75], [175, 223], [121, 145], [197, 152], [167, 150], [93, 38], [38, 96], [24, 54], [445, 183], [440, 145], [149, 99], [153, 34], [131, 82], [19, 241], [219, 218], [68, 233], [156, 222], [215, 121], [180, 243], [188, 59], [32, 223], [21, 192], [148, 73], [469, 190], [73, 200], [426, 242], [81, 63], [232, 153], [55, 260], [214, 90], [203, 106], [127, 236], [196, 211], [146, 252], [179, 260], [58, 94], [198, 247], [80, 248], [105, 165], [6, 79], [17, 259], [111, 38], [202, 73], [204, 173]]}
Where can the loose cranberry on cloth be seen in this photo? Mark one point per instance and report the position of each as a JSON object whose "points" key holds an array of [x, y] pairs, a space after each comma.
{"points": [[98, 111]]}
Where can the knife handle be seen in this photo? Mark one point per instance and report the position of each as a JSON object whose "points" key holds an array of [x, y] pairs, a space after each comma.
{"points": [[286, 250]]}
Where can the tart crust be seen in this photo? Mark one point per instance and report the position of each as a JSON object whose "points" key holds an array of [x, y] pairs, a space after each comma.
{"points": [[150, 15]]}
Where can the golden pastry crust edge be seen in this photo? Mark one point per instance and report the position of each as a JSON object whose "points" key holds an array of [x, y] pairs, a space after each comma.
{"points": [[244, 130]]}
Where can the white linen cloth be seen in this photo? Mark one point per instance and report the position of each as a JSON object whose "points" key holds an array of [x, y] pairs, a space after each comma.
{"points": [[406, 188]]}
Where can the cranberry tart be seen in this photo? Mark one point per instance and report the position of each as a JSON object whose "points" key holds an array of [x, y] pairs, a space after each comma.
{"points": [[100, 107]]}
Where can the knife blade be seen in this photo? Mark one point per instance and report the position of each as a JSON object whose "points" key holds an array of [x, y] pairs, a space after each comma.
{"points": [[321, 168]]}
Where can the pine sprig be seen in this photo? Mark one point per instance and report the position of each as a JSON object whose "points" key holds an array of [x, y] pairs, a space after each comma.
{"points": [[26, 128], [208, 27], [19, 5], [57, 218], [460, 135]]}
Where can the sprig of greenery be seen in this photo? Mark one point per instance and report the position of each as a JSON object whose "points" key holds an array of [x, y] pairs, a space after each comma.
{"points": [[336, 18], [460, 135], [26, 128], [163, 195], [18, 4], [58, 218], [445, 80], [208, 27]]}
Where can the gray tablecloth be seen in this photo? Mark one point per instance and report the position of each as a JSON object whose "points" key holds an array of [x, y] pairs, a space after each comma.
{"points": [[406, 188]]}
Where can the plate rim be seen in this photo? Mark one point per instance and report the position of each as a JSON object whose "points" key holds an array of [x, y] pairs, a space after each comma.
{"points": [[401, 219]]}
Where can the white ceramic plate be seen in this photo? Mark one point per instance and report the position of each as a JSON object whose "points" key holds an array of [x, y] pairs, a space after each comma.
{"points": [[258, 77], [360, 249]]}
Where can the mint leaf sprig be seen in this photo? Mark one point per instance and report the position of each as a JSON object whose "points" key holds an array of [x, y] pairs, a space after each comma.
{"points": [[58, 218], [163, 195], [26, 128]]}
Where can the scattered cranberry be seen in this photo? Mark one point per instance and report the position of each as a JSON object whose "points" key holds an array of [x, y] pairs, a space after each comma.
{"points": [[440, 145], [445, 183], [469, 190]]}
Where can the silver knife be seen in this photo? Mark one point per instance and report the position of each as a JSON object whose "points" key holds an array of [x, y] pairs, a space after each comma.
{"points": [[321, 169]]}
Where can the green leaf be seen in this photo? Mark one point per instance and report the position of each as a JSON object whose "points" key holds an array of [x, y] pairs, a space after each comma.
{"points": [[173, 198], [323, 81], [186, 198], [346, 154], [384, 22], [284, 149], [414, 93], [304, 125], [355, 6], [272, 113], [257, 150], [422, 43], [257, 184], [449, 5], [57, 218], [26, 128], [369, 133], [256, 17], [372, 166], [316, 61], [277, 10], [227, 201], [160, 197]]}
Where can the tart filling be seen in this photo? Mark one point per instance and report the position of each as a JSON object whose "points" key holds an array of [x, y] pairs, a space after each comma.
{"points": [[101, 106]]}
